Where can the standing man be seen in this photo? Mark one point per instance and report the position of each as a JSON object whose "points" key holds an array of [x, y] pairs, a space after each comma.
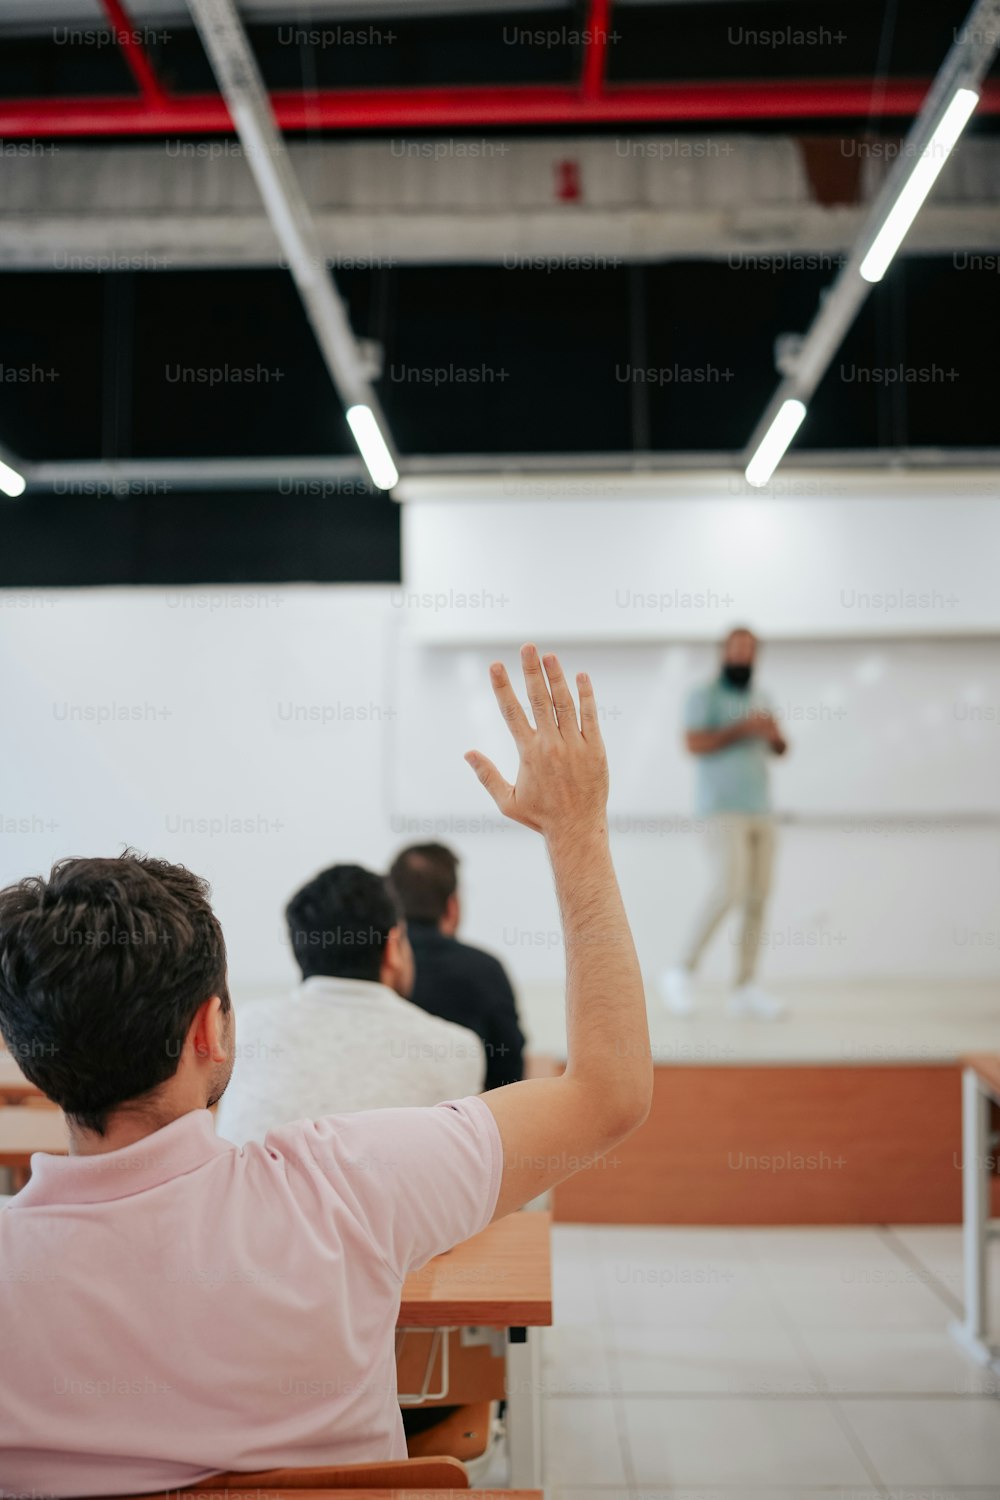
{"points": [[732, 731], [455, 981]]}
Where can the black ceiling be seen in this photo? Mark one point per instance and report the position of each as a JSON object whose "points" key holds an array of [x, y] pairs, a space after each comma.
{"points": [[672, 357], [663, 358], [704, 40]]}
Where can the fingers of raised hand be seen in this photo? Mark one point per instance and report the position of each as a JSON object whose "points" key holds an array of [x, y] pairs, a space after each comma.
{"points": [[562, 698], [498, 787], [510, 708], [589, 722], [538, 692]]}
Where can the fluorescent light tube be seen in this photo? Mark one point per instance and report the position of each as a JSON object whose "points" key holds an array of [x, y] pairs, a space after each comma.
{"points": [[774, 442], [918, 184], [11, 482], [373, 447]]}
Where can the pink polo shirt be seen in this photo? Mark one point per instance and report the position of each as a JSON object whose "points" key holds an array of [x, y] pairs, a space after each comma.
{"points": [[183, 1307]]}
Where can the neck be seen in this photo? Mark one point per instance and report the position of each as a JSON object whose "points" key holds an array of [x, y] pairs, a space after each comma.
{"points": [[125, 1127]]}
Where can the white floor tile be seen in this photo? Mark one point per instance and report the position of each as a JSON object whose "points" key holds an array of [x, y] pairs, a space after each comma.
{"points": [[581, 1442], [728, 1361], [938, 1247], [791, 1244], [677, 1290], [574, 1277], [770, 1492], [658, 1241], [739, 1442], [692, 1330], [574, 1362], [942, 1492], [894, 1361], [858, 1292], [930, 1443], [578, 1492]]}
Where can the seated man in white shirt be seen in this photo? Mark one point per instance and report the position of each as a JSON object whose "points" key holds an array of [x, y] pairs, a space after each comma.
{"points": [[348, 1038]]}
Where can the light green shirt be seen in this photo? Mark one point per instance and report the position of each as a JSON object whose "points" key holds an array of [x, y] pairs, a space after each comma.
{"points": [[733, 780]]}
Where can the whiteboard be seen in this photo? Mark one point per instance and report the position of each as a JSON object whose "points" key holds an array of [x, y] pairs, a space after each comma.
{"points": [[889, 727]]}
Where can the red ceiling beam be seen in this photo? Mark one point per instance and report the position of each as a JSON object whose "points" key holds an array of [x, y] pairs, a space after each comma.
{"points": [[127, 36], [595, 47], [436, 108]]}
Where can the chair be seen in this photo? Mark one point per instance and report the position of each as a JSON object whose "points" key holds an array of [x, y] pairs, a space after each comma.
{"points": [[397, 1474], [466, 1433], [429, 1473]]}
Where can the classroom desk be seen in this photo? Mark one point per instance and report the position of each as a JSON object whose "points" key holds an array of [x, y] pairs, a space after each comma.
{"points": [[24, 1131], [980, 1096], [502, 1280], [14, 1087]]}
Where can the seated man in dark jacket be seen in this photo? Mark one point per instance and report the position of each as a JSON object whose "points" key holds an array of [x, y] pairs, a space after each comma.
{"points": [[454, 981]]}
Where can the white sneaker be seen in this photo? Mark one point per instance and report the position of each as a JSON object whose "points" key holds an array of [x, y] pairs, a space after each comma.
{"points": [[675, 991], [750, 1003]]}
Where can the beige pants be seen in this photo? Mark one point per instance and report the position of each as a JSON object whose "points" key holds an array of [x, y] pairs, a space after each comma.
{"points": [[741, 849]]}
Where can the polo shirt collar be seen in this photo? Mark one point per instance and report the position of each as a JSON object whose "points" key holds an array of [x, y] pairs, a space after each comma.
{"points": [[187, 1143]]}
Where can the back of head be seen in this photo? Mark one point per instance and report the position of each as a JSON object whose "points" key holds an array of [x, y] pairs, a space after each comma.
{"points": [[339, 923], [103, 967], [424, 877]]}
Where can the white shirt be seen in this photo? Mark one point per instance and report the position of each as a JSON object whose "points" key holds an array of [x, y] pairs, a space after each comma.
{"points": [[336, 1046]]}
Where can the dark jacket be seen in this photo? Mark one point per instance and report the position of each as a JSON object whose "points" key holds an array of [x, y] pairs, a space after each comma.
{"points": [[471, 988]]}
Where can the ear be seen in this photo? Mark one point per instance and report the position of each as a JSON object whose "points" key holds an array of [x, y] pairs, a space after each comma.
{"points": [[391, 955], [453, 910], [207, 1033]]}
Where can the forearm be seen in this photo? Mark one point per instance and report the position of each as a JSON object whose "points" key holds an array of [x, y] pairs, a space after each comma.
{"points": [[607, 1031], [708, 741]]}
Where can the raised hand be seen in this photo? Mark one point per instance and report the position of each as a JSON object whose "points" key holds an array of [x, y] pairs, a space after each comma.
{"points": [[562, 774]]}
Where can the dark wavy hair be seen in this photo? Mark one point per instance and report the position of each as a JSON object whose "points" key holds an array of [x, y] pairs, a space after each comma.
{"points": [[103, 967], [338, 924]]}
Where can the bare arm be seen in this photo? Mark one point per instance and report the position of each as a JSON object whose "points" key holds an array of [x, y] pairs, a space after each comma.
{"points": [[552, 1126]]}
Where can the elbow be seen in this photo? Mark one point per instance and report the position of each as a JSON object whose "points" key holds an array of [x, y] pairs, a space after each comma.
{"points": [[625, 1115], [642, 1105]]}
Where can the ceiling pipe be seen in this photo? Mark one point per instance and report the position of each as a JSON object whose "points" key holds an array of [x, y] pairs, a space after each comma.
{"points": [[595, 49], [136, 477], [488, 107], [127, 37], [229, 52]]}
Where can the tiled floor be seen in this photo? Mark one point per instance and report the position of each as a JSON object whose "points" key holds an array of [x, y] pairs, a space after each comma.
{"points": [[778, 1364]]}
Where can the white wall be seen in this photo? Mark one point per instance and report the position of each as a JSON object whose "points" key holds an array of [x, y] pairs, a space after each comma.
{"points": [[160, 718], [147, 716], [614, 557]]}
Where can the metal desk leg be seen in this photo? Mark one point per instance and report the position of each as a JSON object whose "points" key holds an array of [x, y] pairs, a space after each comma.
{"points": [[524, 1408], [971, 1332]]}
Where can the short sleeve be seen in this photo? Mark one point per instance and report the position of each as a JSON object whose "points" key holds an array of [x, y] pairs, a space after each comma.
{"points": [[420, 1180], [698, 709]]}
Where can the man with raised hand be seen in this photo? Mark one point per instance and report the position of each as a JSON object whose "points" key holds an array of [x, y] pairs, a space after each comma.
{"points": [[236, 1309]]}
